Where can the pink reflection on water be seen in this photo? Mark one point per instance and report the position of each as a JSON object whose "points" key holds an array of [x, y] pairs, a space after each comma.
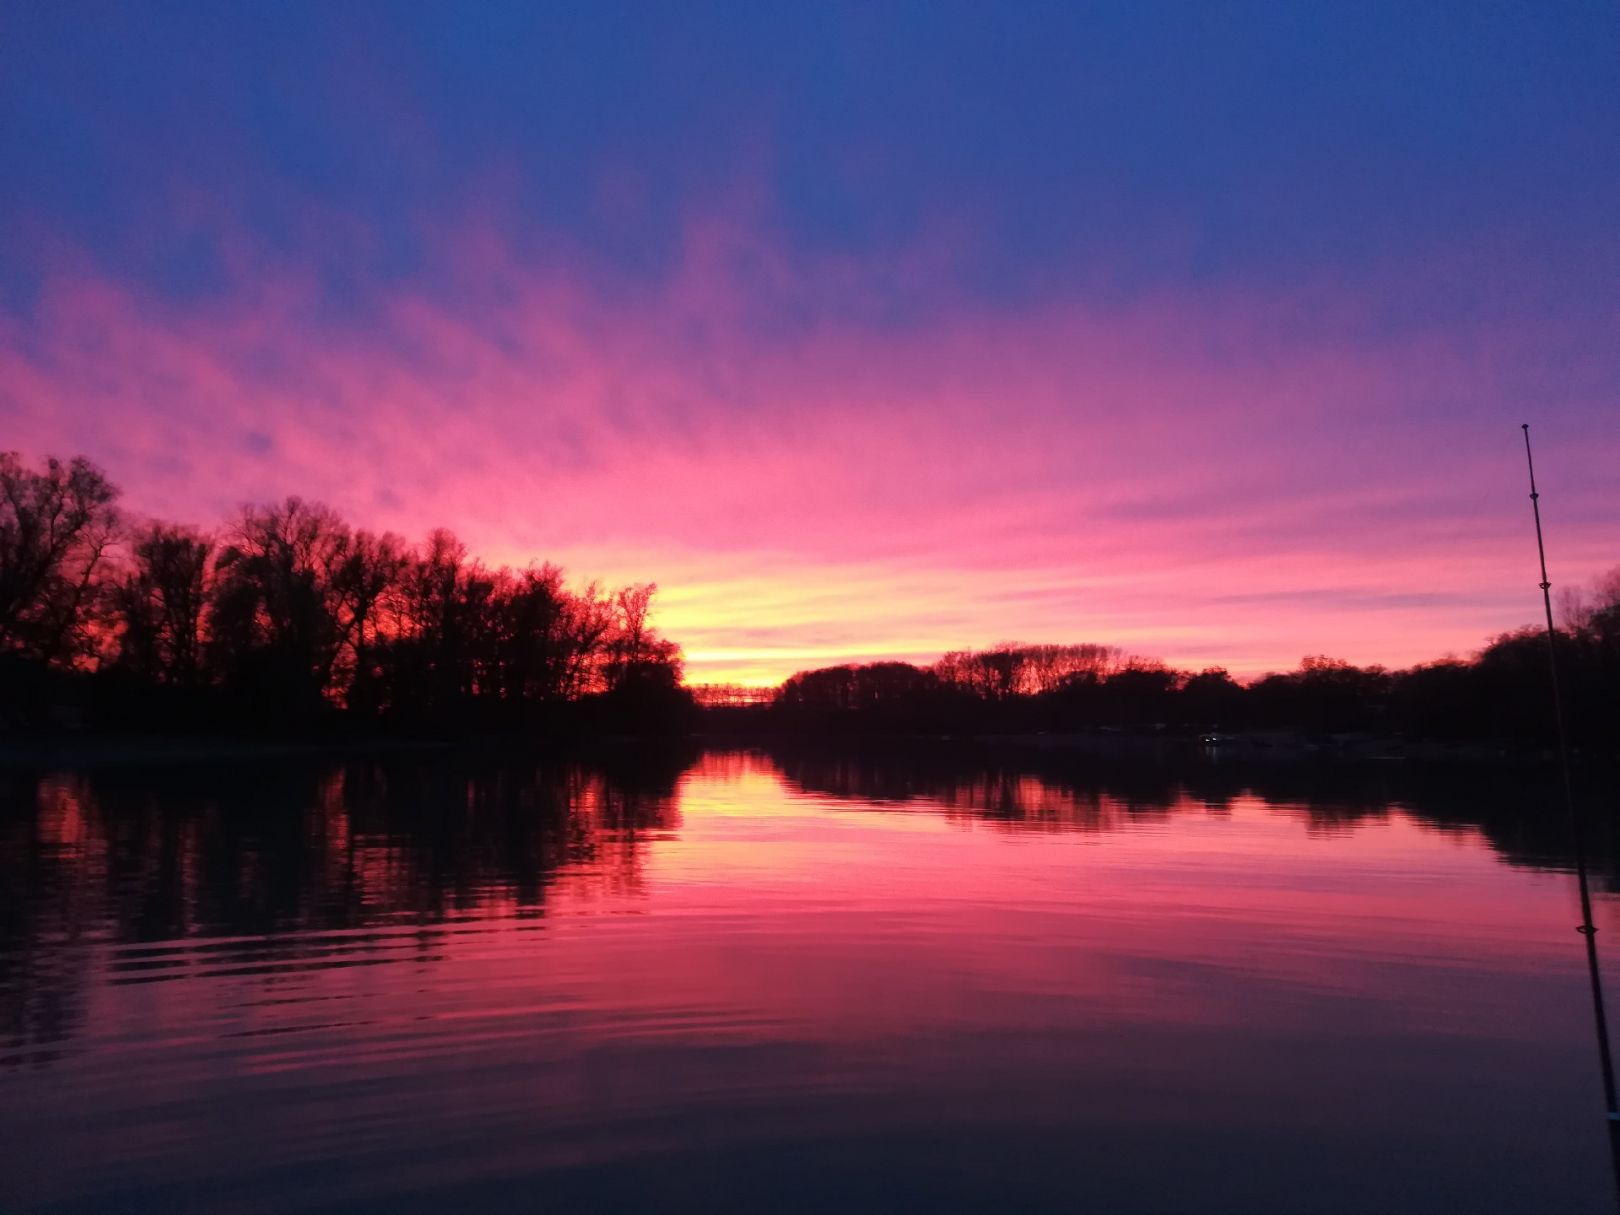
{"points": [[763, 965]]}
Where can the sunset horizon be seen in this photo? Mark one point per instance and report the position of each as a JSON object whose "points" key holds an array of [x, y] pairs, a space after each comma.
{"points": [[739, 608], [768, 668], [753, 609], [849, 380]]}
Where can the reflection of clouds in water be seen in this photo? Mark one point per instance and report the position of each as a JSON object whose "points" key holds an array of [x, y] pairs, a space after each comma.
{"points": [[365, 863], [451, 971]]}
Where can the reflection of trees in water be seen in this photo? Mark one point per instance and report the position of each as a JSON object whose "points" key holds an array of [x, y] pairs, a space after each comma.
{"points": [[728, 767], [136, 858], [43, 917], [305, 865], [1518, 811], [1009, 797]]}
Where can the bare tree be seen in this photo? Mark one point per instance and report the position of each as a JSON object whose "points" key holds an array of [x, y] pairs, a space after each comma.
{"points": [[276, 610], [160, 604], [369, 571], [56, 526], [626, 647]]}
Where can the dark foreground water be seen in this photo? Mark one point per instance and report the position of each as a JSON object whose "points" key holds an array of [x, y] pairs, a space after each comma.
{"points": [[737, 983]]}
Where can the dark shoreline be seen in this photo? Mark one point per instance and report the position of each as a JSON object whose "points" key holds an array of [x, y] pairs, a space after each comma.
{"points": [[117, 750], [70, 749]]}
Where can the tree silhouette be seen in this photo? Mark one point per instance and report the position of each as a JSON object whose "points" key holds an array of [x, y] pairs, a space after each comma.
{"points": [[290, 618], [276, 631], [160, 604], [56, 526]]}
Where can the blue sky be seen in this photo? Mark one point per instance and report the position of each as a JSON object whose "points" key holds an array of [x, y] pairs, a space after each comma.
{"points": [[1124, 145]]}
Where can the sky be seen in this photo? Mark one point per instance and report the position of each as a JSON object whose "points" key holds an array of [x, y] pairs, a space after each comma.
{"points": [[865, 331]]}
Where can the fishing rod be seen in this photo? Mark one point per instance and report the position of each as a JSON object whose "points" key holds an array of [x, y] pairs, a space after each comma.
{"points": [[1577, 831]]}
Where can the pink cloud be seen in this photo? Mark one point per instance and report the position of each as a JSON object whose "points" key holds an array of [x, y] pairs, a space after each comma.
{"points": [[1206, 478]]}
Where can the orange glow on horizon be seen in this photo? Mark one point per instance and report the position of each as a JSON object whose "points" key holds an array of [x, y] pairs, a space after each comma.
{"points": [[1189, 478]]}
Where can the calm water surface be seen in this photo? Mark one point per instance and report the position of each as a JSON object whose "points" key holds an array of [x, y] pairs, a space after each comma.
{"points": [[744, 983]]}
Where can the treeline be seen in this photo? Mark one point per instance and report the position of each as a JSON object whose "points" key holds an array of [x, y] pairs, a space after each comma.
{"points": [[1501, 696], [289, 617]]}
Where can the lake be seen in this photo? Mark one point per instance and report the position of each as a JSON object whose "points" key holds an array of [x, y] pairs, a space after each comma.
{"points": [[737, 981]]}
